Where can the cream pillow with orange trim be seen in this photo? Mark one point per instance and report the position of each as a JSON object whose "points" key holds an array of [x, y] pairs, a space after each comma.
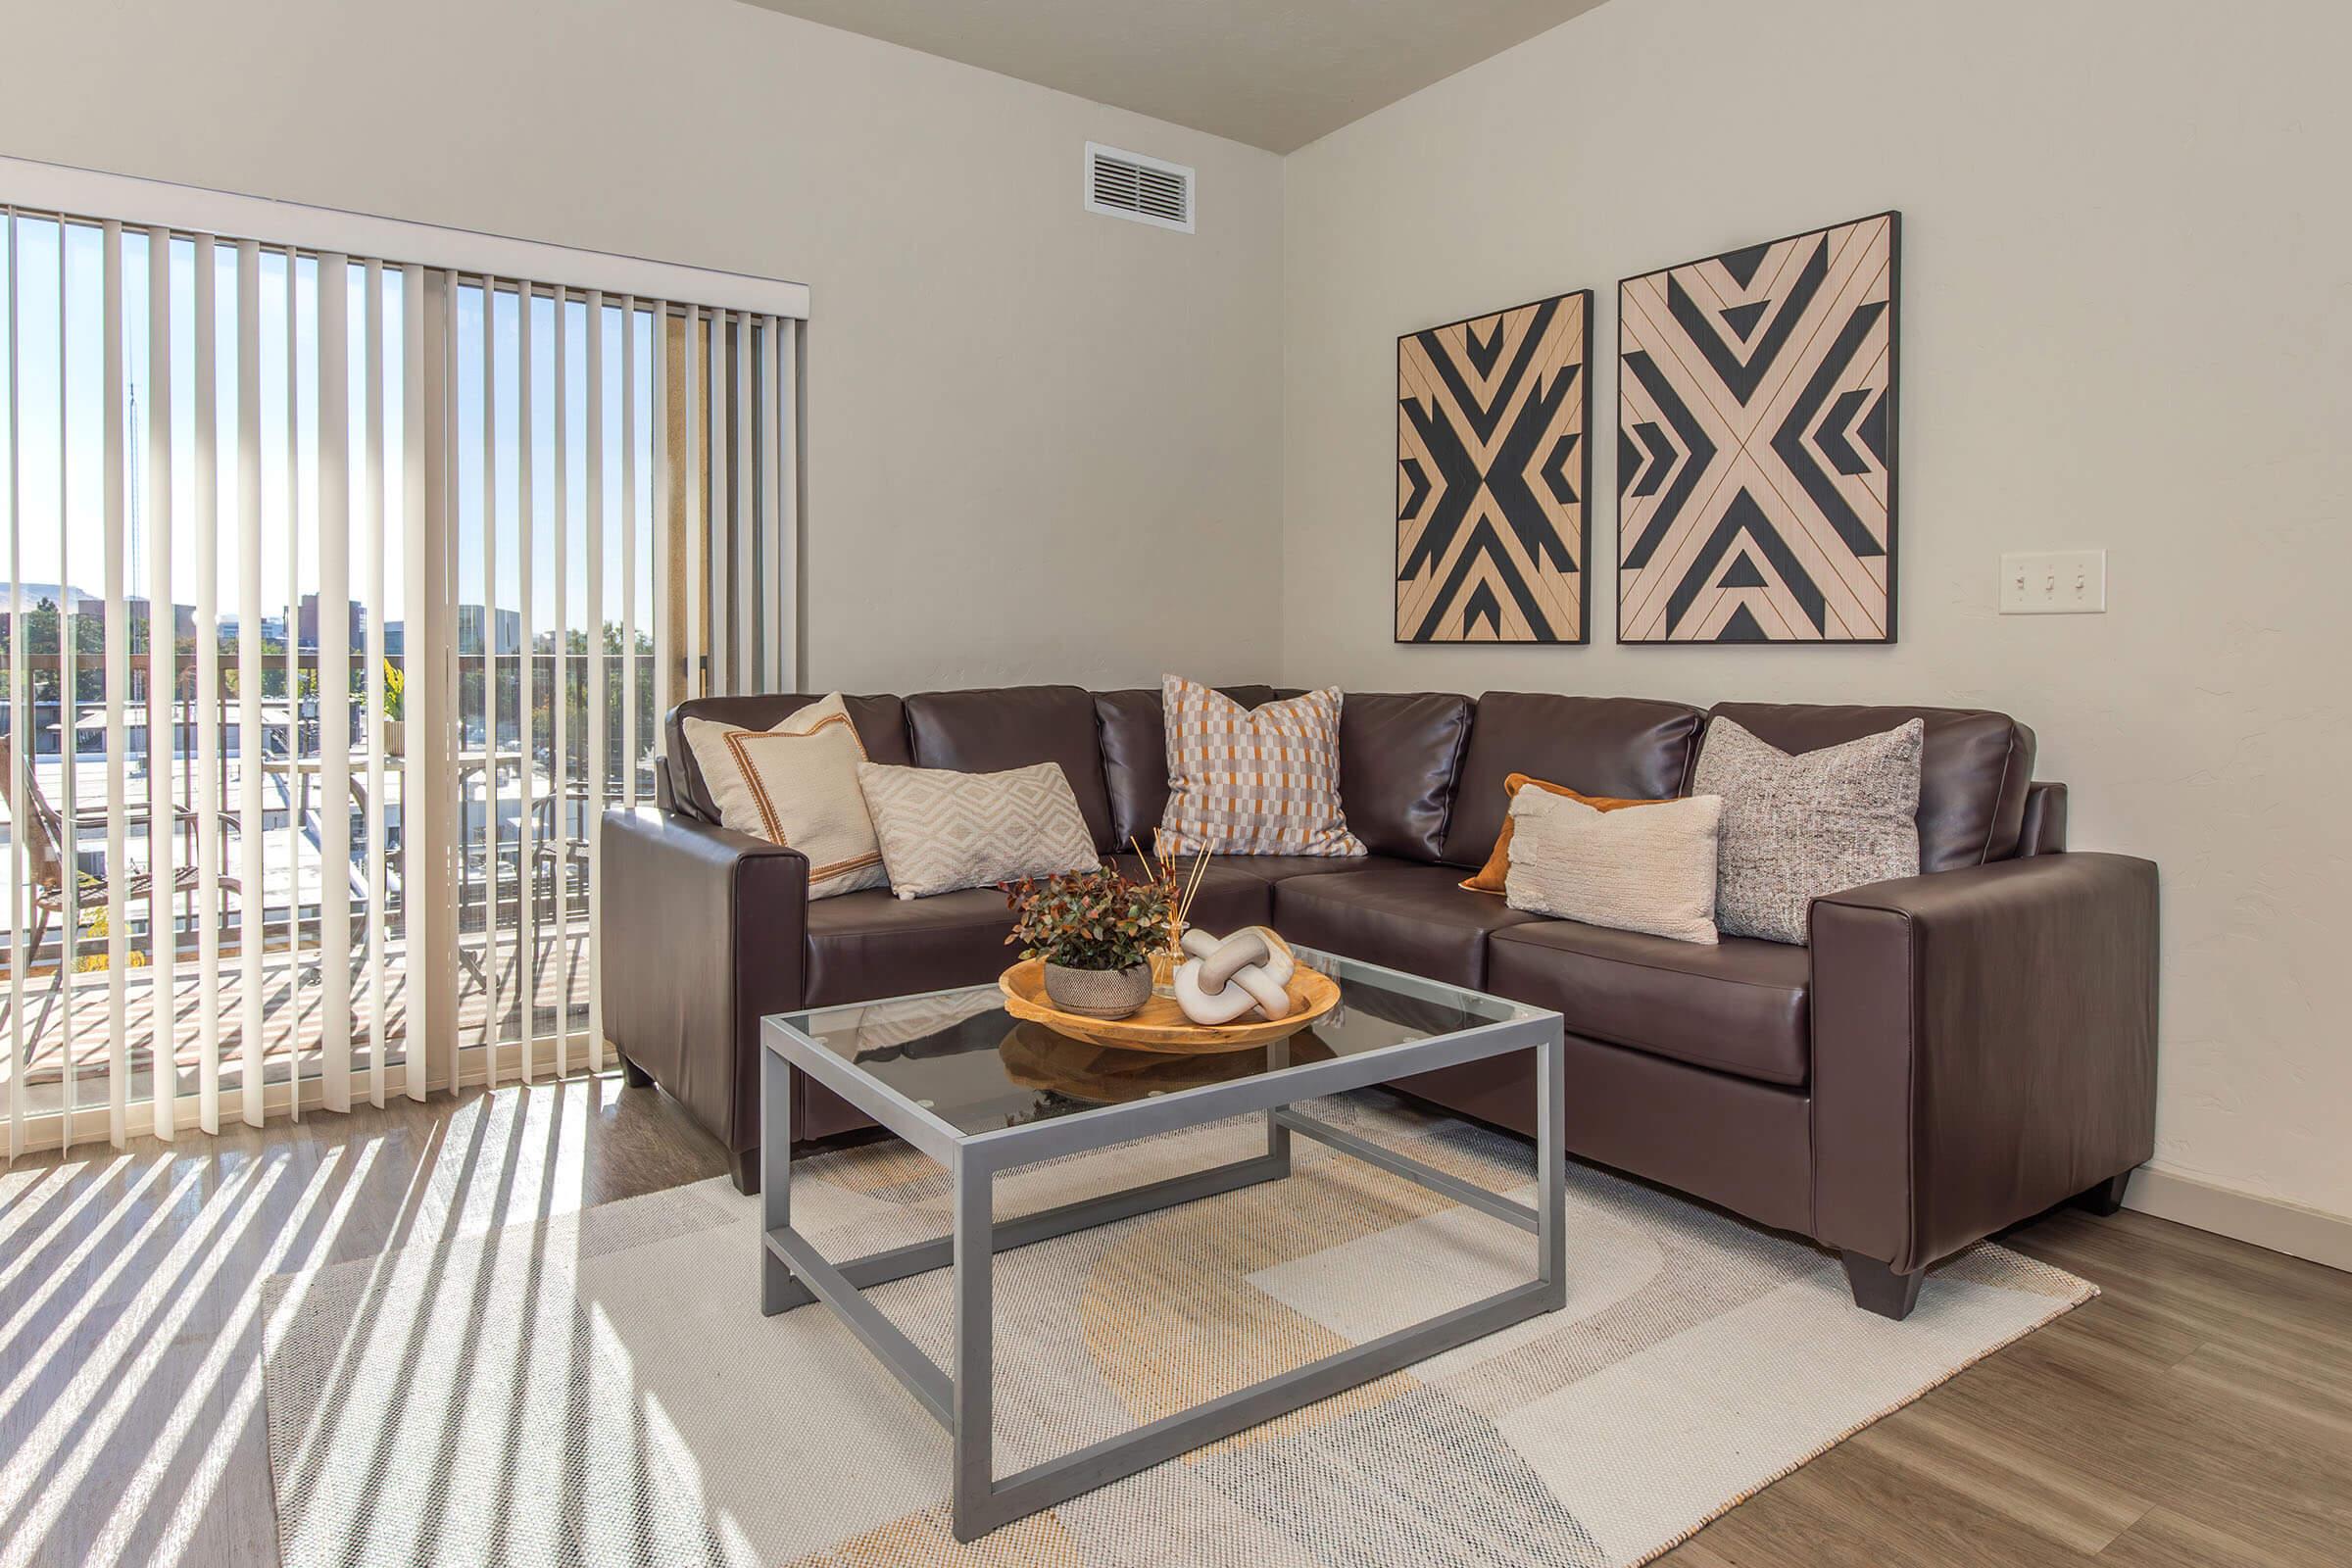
{"points": [[796, 785]]}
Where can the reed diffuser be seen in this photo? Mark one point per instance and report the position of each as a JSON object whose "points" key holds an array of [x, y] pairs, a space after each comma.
{"points": [[1180, 892]]}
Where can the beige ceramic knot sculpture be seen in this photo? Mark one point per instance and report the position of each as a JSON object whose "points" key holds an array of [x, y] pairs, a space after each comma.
{"points": [[1223, 978]]}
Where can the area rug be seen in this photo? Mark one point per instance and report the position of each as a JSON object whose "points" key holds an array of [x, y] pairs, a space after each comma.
{"points": [[601, 1390]]}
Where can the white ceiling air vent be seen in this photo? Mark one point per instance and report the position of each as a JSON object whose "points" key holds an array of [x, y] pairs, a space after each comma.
{"points": [[1122, 184]]}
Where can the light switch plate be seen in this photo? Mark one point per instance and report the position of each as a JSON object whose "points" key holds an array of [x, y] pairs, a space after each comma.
{"points": [[2054, 582]]}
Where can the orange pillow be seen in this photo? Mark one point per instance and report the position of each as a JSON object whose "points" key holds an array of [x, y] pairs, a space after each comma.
{"points": [[1489, 878]]}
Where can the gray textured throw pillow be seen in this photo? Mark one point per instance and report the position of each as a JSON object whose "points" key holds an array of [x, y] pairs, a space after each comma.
{"points": [[1795, 828]]}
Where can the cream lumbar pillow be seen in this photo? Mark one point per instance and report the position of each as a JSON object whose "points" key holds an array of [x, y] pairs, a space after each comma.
{"points": [[796, 785], [1259, 780], [941, 830], [1650, 871]]}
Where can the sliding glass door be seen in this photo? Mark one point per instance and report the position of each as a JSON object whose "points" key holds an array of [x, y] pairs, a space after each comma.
{"points": [[343, 594]]}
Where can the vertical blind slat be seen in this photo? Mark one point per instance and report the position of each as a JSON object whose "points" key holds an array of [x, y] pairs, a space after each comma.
{"points": [[207, 710], [251, 743], [525, 859], [452, 785], [598, 767], [720, 651], [334, 685], [560, 771], [163, 871], [418, 653], [772, 513], [117, 698], [694, 673], [294, 783], [788, 565], [665, 627], [372, 568], [628, 552], [745, 536], [69, 680], [488, 864], [22, 748]]}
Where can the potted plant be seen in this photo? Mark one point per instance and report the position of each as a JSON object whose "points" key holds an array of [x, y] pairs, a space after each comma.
{"points": [[396, 738], [1095, 932]]}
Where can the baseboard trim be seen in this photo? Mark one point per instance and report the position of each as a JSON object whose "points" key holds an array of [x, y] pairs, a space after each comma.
{"points": [[2270, 1222]]}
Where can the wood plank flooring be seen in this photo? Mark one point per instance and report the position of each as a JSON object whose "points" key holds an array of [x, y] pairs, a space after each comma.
{"points": [[2197, 1414]]}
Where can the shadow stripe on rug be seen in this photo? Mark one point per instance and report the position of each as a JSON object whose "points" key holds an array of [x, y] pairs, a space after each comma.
{"points": [[601, 1389]]}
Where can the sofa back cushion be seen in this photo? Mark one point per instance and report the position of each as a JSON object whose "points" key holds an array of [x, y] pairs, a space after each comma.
{"points": [[1633, 748], [1974, 768], [1007, 727], [880, 721], [1132, 728], [1399, 755]]}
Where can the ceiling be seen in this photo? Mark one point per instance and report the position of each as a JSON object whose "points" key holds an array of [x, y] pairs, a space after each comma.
{"points": [[1276, 74]]}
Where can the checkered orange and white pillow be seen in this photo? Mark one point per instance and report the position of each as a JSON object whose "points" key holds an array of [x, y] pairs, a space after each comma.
{"points": [[1253, 781]]}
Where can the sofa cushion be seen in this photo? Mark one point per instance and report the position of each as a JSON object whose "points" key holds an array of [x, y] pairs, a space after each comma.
{"points": [[1272, 869], [1229, 899], [880, 721], [866, 945], [1012, 726], [1398, 753], [1628, 747], [1740, 1006], [1974, 768], [1417, 918], [1134, 735]]}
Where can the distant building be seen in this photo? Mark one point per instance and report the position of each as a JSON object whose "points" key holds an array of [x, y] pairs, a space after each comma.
{"points": [[470, 629], [308, 623]]}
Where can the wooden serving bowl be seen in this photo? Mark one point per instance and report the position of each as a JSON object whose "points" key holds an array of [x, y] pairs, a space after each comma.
{"points": [[1161, 1025], [1037, 1058]]}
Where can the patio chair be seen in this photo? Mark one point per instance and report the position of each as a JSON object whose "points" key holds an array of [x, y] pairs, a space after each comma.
{"points": [[48, 849]]}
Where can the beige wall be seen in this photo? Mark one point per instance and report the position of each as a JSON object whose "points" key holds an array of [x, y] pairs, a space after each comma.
{"points": [[1036, 437], [1041, 442], [2127, 324]]}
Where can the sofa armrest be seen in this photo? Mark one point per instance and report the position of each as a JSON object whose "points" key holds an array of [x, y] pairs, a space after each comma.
{"points": [[1984, 1047], [703, 935]]}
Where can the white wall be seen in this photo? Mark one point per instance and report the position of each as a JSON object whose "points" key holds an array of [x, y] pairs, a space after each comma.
{"points": [[2127, 323], [1036, 438]]}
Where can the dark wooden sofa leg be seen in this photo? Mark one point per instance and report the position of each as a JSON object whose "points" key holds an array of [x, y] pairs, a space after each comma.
{"points": [[633, 1076], [1879, 1289], [743, 1166], [2106, 1198]]}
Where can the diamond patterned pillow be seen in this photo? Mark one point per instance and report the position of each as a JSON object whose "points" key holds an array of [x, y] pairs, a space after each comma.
{"points": [[1795, 828], [941, 830], [1253, 781]]}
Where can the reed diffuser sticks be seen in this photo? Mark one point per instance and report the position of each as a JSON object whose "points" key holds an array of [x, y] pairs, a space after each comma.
{"points": [[1180, 902]]}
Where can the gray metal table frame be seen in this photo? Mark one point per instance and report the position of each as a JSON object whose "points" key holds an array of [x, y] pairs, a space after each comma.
{"points": [[794, 1273]]}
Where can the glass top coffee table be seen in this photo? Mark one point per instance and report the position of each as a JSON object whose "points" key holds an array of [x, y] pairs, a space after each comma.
{"points": [[980, 1092]]}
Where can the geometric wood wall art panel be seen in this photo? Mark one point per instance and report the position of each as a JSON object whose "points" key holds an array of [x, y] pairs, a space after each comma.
{"points": [[1492, 471], [1756, 443]]}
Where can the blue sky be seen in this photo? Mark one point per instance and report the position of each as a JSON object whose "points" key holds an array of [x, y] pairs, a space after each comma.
{"points": [[59, 528]]}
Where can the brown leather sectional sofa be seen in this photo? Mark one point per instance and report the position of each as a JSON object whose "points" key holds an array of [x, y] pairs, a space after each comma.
{"points": [[1955, 1051]]}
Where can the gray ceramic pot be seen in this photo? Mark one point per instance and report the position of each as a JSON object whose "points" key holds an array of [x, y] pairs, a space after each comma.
{"points": [[1099, 993]]}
